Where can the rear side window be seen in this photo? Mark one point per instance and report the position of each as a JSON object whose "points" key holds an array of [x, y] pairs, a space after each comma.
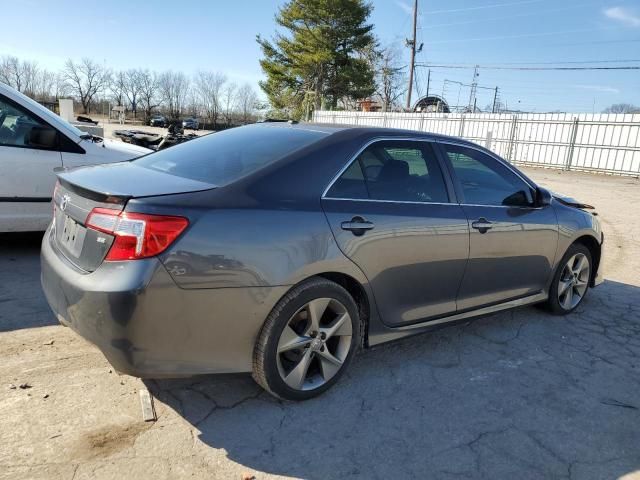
{"points": [[393, 170], [350, 185], [222, 158]]}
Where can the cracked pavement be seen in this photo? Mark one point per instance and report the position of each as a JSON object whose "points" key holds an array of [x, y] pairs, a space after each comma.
{"points": [[521, 394]]}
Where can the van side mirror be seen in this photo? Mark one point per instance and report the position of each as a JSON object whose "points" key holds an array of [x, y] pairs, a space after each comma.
{"points": [[543, 197], [43, 137]]}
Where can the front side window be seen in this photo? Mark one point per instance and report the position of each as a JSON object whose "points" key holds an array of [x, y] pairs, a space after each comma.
{"points": [[393, 170], [485, 181], [17, 126]]}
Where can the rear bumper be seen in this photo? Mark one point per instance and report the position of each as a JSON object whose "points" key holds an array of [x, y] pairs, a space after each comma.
{"points": [[146, 326]]}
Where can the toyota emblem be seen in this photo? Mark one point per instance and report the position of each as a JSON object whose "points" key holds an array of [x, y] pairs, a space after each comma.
{"points": [[64, 202]]}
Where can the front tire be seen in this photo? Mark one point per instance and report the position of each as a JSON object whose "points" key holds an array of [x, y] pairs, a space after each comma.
{"points": [[308, 341], [571, 280]]}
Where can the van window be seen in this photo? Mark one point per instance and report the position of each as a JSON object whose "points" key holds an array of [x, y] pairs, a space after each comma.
{"points": [[16, 124]]}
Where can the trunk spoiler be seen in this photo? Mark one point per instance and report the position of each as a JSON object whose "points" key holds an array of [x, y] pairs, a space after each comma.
{"points": [[121, 181], [92, 195]]}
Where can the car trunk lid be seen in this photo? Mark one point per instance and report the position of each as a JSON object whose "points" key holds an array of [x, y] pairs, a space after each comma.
{"points": [[81, 190], [128, 180]]}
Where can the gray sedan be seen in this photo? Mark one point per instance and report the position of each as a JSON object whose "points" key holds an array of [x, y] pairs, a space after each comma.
{"points": [[282, 249]]}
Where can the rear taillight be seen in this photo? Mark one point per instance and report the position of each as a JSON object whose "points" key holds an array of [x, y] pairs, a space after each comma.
{"points": [[137, 235]]}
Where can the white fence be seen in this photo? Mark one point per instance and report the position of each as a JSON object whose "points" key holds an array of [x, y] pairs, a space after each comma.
{"points": [[608, 143]]}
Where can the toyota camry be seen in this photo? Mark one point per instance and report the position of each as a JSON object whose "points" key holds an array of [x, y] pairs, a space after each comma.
{"points": [[283, 249]]}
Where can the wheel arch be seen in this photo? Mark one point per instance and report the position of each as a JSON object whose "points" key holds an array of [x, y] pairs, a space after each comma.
{"points": [[357, 292], [595, 248]]}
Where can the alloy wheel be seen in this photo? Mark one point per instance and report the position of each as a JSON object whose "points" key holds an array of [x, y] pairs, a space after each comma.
{"points": [[314, 344], [574, 281]]}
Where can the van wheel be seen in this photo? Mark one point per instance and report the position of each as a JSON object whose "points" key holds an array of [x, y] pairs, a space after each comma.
{"points": [[308, 341]]}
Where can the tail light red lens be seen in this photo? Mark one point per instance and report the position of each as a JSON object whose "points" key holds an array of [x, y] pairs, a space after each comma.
{"points": [[137, 235]]}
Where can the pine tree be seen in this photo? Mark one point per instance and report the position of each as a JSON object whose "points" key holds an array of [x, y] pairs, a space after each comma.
{"points": [[322, 57]]}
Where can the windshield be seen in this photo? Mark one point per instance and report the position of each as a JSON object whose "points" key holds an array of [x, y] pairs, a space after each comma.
{"points": [[222, 158]]}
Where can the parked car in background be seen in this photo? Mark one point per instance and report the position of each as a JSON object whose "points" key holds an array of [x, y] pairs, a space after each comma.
{"points": [[282, 249], [190, 123], [33, 142], [158, 121]]}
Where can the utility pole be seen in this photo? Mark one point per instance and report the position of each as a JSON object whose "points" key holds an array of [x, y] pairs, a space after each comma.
{"points": [[474, 87], [412, 44], [428, 81], [495, 98]]}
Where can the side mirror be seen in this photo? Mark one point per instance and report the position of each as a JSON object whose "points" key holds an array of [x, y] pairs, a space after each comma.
{"points": [[543, 197], [43, 137]]}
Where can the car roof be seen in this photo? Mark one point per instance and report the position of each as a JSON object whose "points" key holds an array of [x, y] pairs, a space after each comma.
{"points": [[372, 132]]}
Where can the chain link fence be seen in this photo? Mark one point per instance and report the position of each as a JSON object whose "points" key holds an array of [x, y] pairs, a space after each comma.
{"points": [[607, 143]]}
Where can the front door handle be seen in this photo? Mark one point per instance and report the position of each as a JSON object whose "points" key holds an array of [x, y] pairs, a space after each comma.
{"points": [[482, 225], [357, 225]]}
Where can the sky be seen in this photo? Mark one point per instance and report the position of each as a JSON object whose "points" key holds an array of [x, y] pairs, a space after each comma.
{"points": [[220, 35]]}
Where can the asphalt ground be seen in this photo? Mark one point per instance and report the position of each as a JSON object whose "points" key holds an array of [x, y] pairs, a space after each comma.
{"points": [[520, 394]]}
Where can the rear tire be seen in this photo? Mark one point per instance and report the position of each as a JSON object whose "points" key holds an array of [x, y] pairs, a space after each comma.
{"points": [[571, 281], [307, 341]]}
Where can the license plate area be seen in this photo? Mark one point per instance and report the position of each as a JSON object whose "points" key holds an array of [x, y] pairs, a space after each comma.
{"points": [[71, 236]]}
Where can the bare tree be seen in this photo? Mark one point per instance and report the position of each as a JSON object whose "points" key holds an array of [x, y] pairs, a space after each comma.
{"points": [[93, 85], [60, 87], [390, 78], [5, 70], [132, 89], [116, 86], [30, 73], [247, 100], [209, 89], [148, 92], [622, 108], [193, 106], [45, 85], [174, 87], [85, 79], [11, 73], [229, 102], [21, 75]]}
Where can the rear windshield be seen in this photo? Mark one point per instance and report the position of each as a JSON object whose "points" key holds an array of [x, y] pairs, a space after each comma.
{"points": [[224, 157]]}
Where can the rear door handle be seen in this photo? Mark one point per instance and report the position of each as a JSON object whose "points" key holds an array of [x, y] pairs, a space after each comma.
{"points": [[357, 225], [482, 225]]}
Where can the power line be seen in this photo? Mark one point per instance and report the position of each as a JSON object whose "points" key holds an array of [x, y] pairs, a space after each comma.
{"points": [[498, 67], [523, 35], [594, 42], [507, 17], [468, 84], [557, 62], [482, 7]]}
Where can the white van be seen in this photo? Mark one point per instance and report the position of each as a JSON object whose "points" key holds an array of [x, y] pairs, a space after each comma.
{"points": [[33, 142]]}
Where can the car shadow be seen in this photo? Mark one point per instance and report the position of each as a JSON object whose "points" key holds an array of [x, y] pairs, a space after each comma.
{"points": [[22, 302], [517, 394]]}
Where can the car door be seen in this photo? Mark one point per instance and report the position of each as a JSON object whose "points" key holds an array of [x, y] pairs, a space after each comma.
{"points": [[26, 169], [513, 241], [393, 213]]}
